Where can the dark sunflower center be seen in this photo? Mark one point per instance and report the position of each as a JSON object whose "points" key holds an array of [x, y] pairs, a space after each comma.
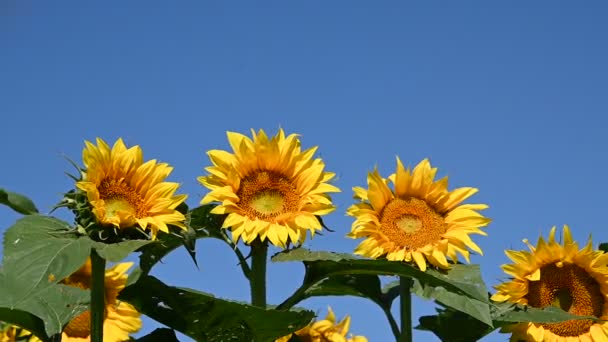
{"points": [[411, 223], [571, 288], [79, 326], [265, 195], [119, 196]]}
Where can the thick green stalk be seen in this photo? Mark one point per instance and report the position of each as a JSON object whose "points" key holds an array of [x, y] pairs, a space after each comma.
{"points": [[405, 298], [97, 306], [257, 279]]}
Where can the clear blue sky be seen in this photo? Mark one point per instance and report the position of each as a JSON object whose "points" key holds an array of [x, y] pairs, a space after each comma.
{"points": [[510, 97]]}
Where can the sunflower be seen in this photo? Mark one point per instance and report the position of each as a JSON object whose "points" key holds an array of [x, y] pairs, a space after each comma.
{"points": [[269, 188], [12, 333], [124, 191], [560, 275], [325, 330], [419, 221], [121, 318]]}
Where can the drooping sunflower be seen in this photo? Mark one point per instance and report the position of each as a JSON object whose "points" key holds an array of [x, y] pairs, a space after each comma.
{"points": [[419, 220], [120, 319], [269, 188], [326, 330], [554, 274], [124, 191]]}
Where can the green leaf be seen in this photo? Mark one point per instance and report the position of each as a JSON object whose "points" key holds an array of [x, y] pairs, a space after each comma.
{"points": [[115, 252], [159, 334], [603, 247], [55, 305], [454, 326], [205, 318], [17, 202], [39, 251], [323, 265], [359, 285], [303, 254], [505, 313], [462, 274]]}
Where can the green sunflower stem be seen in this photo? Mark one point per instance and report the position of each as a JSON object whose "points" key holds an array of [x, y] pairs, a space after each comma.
{"points": [[257, 280], [405, 298], [97, 306]]}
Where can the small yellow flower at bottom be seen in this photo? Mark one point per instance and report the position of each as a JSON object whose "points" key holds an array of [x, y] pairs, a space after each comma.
{"points": [[325, 330]]}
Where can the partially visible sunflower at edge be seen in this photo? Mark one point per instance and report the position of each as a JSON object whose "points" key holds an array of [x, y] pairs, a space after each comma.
{"points": [[12, 333], [120, 318], [125, 192], [269, 188], [561, 275], [419, 220], [326, 330]]}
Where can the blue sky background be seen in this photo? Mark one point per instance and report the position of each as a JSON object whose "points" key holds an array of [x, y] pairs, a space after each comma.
{"points": [[509, 97]]}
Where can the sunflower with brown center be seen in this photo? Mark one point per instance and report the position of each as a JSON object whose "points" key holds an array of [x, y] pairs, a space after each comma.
{"points": [[326, 330], [269, 188], [125, 192], [419, 220], [120, 318], [561, 275]]}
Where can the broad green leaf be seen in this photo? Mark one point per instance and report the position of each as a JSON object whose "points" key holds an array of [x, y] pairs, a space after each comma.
{"points": [[205, 318], [322, 265], [505, 313], [159, 334], [39, 251], [303, 254], [115, 252], [360, 285], [201, 224], [17, 202], [55, 305], [454, 326], [462, 274]]}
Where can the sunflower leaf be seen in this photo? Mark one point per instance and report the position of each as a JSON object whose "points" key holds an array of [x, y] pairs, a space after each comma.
{"points": [[472, 307], [323, 265], [39, 251], [464, 274], [205, 318], [506, 313], [17, 202], [54, 306], [454, 326], [115, 252]]}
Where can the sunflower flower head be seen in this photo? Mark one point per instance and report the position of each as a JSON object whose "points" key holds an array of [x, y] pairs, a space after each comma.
{"points": [[268, 188], [125, 192], [120, 319], [326, 330], [417, 220], [561, 275]]}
